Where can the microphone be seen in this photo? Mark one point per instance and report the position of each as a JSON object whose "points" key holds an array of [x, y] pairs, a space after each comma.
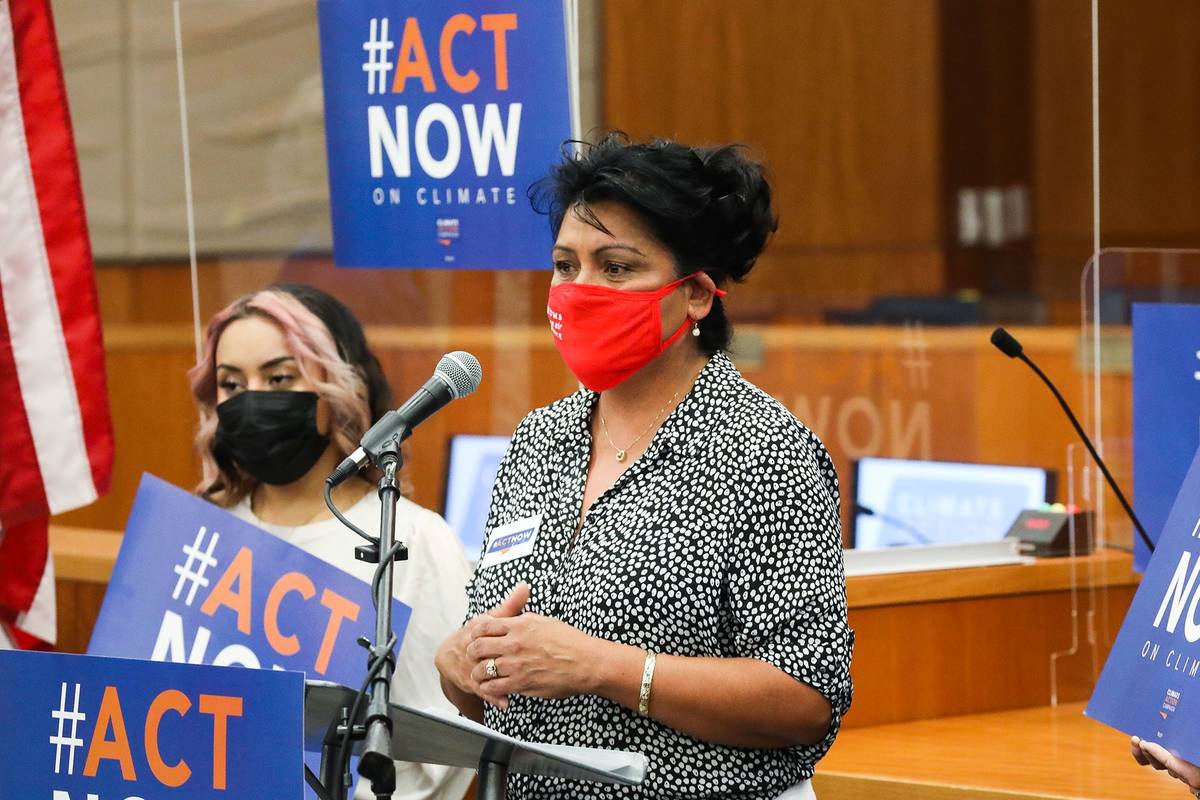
{"points": [[1006, 343], [457, 375]]}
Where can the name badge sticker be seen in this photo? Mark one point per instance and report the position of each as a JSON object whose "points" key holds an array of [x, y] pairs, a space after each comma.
{"points": [[511, 541]]}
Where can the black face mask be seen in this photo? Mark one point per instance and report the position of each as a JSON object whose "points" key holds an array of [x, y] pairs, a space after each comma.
{"points": [[271, 435]]}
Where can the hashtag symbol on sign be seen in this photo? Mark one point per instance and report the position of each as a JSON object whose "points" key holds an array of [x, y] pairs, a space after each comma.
{"points": [[377, 65], [190, 571], [74, 716], [916, 355]]}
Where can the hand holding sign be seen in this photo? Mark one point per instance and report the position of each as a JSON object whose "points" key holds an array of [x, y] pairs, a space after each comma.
{"points": [[1149, 685], [1149, 754]]}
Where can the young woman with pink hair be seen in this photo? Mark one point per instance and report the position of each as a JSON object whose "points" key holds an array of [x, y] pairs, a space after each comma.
{"points": [[285, 390]]}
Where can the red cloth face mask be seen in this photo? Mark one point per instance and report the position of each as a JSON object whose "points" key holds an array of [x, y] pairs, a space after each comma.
{"points": [[605, 335]]}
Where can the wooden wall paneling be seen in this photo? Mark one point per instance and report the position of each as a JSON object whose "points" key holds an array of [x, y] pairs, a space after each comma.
{"points": [[666, 67], [1149, 119], [160, 292], [986, 138], [832, 388], [78, 606], [153, 417], [872, 122], [842, 99], [864, 391], [922, 376], [1062, 152], [144, 293], [1062, 96], [940, 659], [793, 284], [839, 98], [1020, 416]]}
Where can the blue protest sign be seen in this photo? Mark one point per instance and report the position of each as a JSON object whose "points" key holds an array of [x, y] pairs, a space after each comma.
{"points": [[194, 583], [1150, 685], [1166, 409], [438, 117], [81, 727]]}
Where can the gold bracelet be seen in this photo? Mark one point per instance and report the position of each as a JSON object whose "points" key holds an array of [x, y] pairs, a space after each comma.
{"points": [[647, 679]]}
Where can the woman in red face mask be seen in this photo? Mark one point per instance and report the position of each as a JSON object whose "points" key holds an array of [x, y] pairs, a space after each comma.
{"points": [[662, 570]]}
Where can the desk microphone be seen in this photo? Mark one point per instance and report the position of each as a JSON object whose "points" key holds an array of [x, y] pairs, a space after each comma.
{"points": [[1007, 344], [457, 375]]}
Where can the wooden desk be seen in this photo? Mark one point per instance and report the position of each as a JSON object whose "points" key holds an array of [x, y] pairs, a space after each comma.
{"points": [[1104, 568], [88, 554], [83, 563], [951, 642], [1012, 755]]}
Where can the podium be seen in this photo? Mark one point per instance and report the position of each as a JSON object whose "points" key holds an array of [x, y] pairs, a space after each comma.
{"points": [[429, 736]]}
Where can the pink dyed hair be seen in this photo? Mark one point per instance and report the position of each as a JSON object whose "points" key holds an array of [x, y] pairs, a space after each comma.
{"points": [[338, 383]]}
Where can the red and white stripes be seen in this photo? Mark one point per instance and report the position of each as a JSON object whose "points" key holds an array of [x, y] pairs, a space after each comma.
{"points": [[55, 433]]}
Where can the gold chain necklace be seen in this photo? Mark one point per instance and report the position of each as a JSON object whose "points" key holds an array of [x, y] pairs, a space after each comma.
{"points": [[622, 452]]}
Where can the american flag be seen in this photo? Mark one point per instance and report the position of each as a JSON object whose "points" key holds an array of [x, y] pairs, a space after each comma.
{"points": [[56, 442]]}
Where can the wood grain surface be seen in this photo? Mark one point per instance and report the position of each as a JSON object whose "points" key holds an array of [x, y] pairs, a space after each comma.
{"points": [[1031, 753]]}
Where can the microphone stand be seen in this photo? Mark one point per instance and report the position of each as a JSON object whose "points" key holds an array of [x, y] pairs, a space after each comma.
{"points": [[458, 374], [376, 762], [1112, 482], [1007, 344]]}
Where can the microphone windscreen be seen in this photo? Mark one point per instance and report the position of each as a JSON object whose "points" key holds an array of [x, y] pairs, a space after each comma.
{"points": [[1005, 343], [461, 371]]}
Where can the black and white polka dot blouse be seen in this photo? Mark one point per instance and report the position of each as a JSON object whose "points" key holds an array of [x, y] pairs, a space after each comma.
{"points": [[722, 540]]}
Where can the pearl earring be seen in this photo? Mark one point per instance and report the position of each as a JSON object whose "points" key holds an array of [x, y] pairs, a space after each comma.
{"points": [[696, 329]]}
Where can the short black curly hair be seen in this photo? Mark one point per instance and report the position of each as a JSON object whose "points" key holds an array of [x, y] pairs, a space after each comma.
{"points": [[710, 206]]}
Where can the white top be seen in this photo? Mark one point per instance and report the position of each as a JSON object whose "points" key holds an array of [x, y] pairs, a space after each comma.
{"points": [[431, 582]]}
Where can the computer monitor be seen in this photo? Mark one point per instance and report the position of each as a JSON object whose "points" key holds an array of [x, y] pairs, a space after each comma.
{"points": [[904, 502], [470, 472]]}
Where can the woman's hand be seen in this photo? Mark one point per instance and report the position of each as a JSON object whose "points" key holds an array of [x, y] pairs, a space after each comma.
{"points": [[452, 661], [534, 655], [1154, 755], [538, 656]]}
